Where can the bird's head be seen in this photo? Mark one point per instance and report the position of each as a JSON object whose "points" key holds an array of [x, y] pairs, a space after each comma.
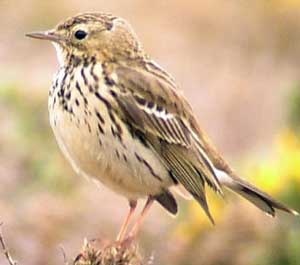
{"points": [[93, 34]]}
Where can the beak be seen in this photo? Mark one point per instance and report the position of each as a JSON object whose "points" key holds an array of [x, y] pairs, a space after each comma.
{"points": [[45, 35]]}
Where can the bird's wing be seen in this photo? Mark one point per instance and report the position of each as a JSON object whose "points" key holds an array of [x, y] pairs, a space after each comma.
{"points": [[162, 118]]}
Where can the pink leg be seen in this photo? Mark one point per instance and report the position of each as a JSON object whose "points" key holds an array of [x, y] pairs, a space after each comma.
{"points": [[134, 231], [123, 230]]}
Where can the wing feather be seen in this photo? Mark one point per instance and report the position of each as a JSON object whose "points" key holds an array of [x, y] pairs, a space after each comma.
{"points": [[152, 106]]}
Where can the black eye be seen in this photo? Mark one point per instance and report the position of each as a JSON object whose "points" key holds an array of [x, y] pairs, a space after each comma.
{"points": [[80, 34]]}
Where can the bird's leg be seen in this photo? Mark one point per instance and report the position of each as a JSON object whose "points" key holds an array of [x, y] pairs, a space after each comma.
{"points": [[134, 231], [132, 205]]}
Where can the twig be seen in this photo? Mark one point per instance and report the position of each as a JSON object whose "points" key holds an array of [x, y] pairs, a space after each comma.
{"points": [[64, 255], [5, 249]]}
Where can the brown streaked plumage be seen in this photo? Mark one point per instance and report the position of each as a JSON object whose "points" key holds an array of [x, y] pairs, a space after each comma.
{"points": [[119, 118]]}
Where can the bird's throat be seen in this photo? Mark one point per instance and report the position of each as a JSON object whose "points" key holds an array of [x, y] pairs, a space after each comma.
{"points": [[61, 54]]}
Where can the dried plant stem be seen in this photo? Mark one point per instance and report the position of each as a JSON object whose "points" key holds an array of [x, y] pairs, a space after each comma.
{"points": [[5, 249]]}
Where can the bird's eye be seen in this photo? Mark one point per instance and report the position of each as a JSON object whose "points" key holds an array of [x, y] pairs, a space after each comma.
{"points": [[80, 34]]}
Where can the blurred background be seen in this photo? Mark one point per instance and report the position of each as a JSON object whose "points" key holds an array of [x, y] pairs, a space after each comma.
{"points": [[238, 64]]}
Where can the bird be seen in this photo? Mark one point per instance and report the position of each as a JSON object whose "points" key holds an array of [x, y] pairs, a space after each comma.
{"points": [[120, 118]]}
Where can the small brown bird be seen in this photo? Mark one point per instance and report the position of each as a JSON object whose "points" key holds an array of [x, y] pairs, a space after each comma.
{"points": [[118, 118]]}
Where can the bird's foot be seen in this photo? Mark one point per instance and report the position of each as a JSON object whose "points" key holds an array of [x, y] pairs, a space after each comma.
{"points": [[127, 241]]}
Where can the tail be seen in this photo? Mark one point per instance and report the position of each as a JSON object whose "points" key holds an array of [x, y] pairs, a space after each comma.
{"points": [[259, 198]]}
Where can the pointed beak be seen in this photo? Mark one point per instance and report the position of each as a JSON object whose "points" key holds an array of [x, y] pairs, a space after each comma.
{"points": [[45, 35]]}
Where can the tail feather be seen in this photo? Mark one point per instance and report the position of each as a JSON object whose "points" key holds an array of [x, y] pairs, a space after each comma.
{"points": [[203, 202], [167, 200], [257, 197]]}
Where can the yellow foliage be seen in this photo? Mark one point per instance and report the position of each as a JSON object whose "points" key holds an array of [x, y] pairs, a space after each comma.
{"points": [[283, 5], [288, 147], [284, 167], [195, 221]]}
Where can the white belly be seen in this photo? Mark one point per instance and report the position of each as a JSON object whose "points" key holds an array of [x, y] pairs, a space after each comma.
{"points": [[128, 168]]}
